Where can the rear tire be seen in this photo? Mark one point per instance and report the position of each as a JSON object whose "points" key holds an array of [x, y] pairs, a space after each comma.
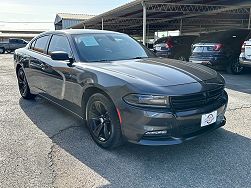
{"points": [[23, 85], [103, 121], [2, 50], [181, 58], [234, 67]]}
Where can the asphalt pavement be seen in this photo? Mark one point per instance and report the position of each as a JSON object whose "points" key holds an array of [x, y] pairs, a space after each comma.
{"points": [[42, 145]]}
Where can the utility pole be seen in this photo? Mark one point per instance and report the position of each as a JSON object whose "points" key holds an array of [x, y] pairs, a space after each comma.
{"points": [[144, 22]]}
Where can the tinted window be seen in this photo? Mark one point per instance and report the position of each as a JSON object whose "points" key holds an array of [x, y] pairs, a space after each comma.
{"points": [[22, 41], [161, 40], [19, 41], [59, 43], [13, 41], [40, 45], [109, 47]]}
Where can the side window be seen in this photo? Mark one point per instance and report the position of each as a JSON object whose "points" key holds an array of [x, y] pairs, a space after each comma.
{"points": [[40, 44], [19, 41], [59, 43], [12, 41]]}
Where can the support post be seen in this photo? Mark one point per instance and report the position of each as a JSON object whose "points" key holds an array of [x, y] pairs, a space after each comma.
{"points": [[144, 22], [249, 21], [102, 23], [181, 26]]}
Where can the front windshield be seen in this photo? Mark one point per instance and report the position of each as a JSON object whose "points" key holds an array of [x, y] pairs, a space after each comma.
{"points": [[109, 47]]}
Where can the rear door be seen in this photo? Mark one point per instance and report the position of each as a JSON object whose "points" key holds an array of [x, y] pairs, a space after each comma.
{"points": [[12, 43], [37, 59]]}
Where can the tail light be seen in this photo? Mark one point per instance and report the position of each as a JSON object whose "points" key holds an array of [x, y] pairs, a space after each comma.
{"points": [[218, 47], [169, 43], [243, 47]]}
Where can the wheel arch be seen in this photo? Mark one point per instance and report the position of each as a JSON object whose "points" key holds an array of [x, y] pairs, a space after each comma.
{"points": [[88, 93], [18, 67]]}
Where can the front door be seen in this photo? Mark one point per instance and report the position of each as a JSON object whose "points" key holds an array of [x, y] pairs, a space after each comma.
{"points": [[57, 74]]}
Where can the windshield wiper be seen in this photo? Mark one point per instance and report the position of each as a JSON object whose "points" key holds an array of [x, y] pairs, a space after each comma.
{"points": [[139, 57], [102, 60]]}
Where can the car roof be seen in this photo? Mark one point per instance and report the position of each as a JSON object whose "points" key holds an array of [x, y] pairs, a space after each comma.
{"points": [[79, 31]]}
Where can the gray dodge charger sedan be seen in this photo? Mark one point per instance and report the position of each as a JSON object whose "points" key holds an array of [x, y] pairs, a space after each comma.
{"points": [[121, 89]]}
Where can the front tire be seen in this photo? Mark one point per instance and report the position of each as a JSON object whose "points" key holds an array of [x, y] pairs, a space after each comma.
{"points": [[23, 85], [2, 50], [103, 122], [234, 67]]}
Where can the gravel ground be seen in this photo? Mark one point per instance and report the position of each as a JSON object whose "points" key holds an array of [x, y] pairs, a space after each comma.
{"points": [[43, 146]]}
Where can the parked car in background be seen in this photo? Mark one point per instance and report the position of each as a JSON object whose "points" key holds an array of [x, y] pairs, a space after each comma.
{"points": [[123, 95], [220, 50], [175, 47], [245, 56], [11, 45]]}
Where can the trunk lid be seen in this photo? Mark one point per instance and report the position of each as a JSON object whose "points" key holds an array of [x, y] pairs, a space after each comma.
{"points": [[248, 50]]}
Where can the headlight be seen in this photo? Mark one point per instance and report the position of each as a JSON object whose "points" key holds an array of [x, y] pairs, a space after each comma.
{"points": [[152, 101]]}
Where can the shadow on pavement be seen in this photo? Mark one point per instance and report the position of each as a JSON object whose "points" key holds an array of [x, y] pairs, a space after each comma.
{"points": [[219, 159], [241, 83]]}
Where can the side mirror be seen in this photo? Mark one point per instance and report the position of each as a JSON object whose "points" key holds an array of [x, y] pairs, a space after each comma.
{"points": [[59, 56]]}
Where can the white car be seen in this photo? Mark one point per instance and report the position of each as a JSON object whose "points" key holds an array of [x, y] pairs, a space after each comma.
{"points": [[245, 56]]}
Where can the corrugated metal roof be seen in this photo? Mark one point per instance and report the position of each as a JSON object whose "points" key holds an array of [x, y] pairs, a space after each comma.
{"points": [[69, 16], [128, 18]]}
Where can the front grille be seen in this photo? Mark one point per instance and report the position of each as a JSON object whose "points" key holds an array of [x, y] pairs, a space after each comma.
{"points": [[197, 100]]}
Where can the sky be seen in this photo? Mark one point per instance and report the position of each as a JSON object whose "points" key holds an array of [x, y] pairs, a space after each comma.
{"points": [[45, 11]]}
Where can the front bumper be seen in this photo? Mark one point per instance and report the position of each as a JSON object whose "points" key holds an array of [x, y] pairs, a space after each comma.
{"points": [[180, 126], [218, 62], [164, 53], [245, 62]]}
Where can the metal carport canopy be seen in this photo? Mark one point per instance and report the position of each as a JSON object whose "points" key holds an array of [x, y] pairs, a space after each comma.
{"points": [[189, 16]]}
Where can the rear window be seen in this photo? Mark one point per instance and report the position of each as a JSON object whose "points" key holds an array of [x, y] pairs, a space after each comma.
{"points": [[161, 40], [41, 43]]}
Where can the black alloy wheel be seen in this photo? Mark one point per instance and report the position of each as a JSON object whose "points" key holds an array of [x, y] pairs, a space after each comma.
{"points": [[103, 121], [235, 67], [182, 58], [100, 123], [23, 85]]}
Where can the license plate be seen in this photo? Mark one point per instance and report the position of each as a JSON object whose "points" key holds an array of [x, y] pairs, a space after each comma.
{"points": [[158, 48], [208, 119]]}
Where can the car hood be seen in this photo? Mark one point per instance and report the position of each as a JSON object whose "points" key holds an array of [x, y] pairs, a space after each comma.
{"points": [[159, 71]]}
